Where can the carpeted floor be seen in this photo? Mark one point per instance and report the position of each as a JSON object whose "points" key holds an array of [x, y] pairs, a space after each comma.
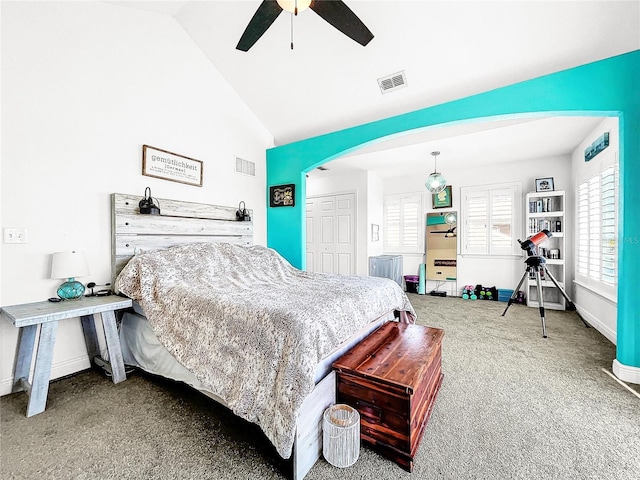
{"points": [[512, 406]]}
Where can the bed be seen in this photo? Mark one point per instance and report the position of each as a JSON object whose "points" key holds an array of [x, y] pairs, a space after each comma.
{"points": [[209, 304]]}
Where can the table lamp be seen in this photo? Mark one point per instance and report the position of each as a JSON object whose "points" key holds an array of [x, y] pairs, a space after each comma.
{"points": [[69, 265]]}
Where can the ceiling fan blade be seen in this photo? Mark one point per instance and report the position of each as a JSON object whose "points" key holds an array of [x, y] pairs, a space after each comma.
{"points": [[341, 17], [266, 14], [451, 231]]}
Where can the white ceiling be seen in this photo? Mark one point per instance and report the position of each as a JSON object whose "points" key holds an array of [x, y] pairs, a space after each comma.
{"points": [[448, 49], [486, 143]]}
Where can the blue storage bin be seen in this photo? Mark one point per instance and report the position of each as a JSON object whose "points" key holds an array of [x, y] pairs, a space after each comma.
{"points": [[504, 295]]}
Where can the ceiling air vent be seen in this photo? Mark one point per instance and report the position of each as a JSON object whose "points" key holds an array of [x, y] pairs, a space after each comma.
{"points": [[245, 167], [392, 82]]}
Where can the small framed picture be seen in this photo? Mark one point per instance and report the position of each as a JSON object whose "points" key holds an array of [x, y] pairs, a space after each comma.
{"points": [[443, 199], [375, 232], [544, 184], [282, 195]]}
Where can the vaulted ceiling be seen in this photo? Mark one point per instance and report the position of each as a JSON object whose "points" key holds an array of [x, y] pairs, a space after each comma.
{"points": [[447, 49]]}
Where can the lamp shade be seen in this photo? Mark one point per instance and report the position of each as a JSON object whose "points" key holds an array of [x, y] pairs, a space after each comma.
{"points": [[69, 265]]}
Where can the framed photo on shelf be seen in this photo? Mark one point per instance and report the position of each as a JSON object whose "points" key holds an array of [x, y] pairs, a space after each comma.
{"points": [[442, 199], [544, 184]]}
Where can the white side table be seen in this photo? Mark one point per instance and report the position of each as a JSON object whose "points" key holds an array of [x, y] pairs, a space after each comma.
{"points": [[46, 314]]}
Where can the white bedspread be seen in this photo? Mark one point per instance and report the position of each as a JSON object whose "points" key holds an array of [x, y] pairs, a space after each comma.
{"points": [[250, 326]]}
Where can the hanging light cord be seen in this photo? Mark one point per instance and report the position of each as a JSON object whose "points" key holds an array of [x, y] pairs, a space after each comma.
{"points": [[295, 13]]}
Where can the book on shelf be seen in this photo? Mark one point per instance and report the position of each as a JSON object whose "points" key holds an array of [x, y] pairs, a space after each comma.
{"points": [[543, 205], [538, 224]]}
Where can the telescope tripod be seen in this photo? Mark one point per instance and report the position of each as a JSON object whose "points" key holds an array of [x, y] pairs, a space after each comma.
{"points": [[537, 264]]}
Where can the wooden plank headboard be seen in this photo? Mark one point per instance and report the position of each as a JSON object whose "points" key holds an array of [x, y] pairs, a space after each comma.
{"points": [[180, 223]]}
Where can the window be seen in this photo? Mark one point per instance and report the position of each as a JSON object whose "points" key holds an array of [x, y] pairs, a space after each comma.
{"points": [[402, 227], [597, 224], [490, 217]]}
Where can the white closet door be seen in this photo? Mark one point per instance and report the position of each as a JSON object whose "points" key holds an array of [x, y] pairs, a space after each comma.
{"points": [[331, 234]]}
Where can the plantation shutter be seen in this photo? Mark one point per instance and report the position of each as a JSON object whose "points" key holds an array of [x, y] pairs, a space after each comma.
{"points": [[594, 228], [391, 227], [476, 222], [402, 227], [501, 233], [490, 220], [608, 243], [597, 223], [583, 230]]}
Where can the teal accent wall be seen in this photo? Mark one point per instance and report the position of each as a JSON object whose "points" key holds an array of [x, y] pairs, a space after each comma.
{"points": [[605, 88]]}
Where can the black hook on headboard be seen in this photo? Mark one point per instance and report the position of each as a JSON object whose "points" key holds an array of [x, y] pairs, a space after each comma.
{"points": [[147, 207], [242, 215]]}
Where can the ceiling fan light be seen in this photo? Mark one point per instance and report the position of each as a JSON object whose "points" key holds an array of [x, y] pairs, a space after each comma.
{"points": [[435, 182], [290, 5]]}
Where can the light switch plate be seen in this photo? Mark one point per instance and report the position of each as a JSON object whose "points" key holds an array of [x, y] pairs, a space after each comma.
{"points": [[14, 235]]}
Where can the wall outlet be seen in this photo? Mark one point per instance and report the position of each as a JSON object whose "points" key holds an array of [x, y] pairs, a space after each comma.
{"points": [[14, 235]]}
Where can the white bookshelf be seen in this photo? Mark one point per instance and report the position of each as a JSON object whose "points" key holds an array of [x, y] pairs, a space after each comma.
{"points": [[546, 210]]}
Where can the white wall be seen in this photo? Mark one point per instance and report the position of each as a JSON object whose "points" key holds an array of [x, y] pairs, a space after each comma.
{"points": [[598, 309], [84, 86], [375, 213]]}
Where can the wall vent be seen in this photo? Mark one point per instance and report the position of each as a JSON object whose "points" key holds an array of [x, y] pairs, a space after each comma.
{"points": [[245, 167], [392, 82]]}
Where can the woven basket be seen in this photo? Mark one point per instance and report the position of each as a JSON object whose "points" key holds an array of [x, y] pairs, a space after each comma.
{"points": [[341, 435]]}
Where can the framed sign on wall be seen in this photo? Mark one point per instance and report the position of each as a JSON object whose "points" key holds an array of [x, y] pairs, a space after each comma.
{"points": [[282, 195], [171, 166], [443, 199]]}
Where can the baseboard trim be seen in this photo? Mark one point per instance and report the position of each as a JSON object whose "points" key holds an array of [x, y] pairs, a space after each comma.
{"points": [[5, 386], [58, 370], [609, 333], [626, 373]]}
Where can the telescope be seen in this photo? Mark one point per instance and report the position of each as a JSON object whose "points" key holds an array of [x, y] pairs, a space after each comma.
{"points": [[533, 241], [537, 265]]}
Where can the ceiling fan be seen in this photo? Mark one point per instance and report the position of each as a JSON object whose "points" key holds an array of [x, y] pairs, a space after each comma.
{"points": [[334, 12], [447, 233]]}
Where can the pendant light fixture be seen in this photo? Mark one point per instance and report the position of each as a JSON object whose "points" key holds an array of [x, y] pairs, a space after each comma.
{"points": [[435, 182]]}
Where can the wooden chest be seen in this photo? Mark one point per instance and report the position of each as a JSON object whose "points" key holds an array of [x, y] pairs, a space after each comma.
{"points": [[392, 378]]}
